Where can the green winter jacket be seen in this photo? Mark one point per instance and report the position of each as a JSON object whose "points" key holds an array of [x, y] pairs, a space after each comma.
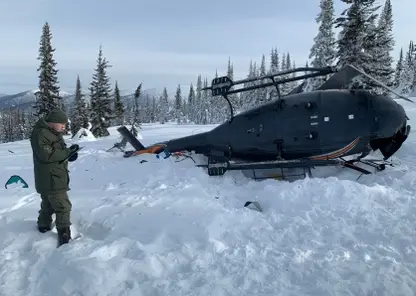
{"points": [[49, 149]]}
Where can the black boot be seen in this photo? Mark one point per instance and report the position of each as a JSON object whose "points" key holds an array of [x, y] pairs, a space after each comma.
{"points": [[44, 229], [64, 235]]}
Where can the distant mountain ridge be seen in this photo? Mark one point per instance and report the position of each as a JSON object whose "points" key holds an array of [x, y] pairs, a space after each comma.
{"points": [[24, 100]]}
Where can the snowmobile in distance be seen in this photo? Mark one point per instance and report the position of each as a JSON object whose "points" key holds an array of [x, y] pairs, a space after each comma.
{"points": [[298, 130]]}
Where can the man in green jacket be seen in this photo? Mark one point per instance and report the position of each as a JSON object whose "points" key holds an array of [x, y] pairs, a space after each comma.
{"points": [[50, 160]]}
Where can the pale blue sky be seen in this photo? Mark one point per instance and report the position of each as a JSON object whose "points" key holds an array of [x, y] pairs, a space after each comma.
{"points": [[160, 44]]}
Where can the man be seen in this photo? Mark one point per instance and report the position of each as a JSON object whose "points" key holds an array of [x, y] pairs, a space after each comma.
{"points": [[50, 160]]}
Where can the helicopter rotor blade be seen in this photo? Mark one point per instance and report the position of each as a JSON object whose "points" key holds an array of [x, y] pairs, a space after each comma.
{"points": [[382, 84], [340, 78]]}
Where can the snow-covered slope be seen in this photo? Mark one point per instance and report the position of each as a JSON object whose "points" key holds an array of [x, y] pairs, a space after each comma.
{"points": [[166, 228]]}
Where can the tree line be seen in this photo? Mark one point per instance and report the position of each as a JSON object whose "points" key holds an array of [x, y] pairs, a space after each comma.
{"points": [[365, 40]]}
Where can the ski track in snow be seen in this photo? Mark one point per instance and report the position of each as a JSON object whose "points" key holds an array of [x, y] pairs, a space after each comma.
{"points": [[166, 228]]}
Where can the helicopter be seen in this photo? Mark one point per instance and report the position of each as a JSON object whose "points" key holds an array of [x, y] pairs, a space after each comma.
{"points": [[302, 129]]}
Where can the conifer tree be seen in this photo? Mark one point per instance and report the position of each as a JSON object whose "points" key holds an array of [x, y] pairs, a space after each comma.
{"points": [[118, 106], [356, 44], [198, 111], [274, 68], [262, 92], [178, 104], [79, 112], [409, 72], [136, 122], [323, 51], [164, 106], [191, 103], [385, 45], [398, 75], [101, 111], [48, 95], [234, 98]]}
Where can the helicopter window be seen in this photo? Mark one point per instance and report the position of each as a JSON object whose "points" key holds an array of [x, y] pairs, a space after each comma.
{"points": [[326, 118], [351, 116]]}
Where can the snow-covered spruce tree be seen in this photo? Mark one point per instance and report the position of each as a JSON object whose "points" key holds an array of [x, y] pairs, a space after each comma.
{"points": [[385, 45], [357, 41], [274, 68], [13, 125], [101, 111], [191, 103], [79, 110], [398, 75], [164, 106], [136, 120], [323, 51], [248, 98], [178, 105], [48, 95], [118, 106], [262, 92], [409, 70], [234, 98], [198, 106], [285, 88]]}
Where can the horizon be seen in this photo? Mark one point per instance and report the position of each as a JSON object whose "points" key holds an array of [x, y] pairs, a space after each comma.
{"points": [[164, 53]]}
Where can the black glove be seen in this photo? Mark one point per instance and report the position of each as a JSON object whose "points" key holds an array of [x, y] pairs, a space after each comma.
{"points": [[74, 147], [73, 157]]}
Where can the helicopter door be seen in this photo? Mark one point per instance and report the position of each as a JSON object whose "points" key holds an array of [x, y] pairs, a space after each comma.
{"points": [[298, 123]]}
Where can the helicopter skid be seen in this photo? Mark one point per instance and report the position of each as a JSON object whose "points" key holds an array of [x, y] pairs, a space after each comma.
{"points": [[218, 165]]}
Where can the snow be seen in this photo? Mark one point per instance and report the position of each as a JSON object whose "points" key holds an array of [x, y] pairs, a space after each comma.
{"points": [[62, 93], [83, 135], [166, 228]]}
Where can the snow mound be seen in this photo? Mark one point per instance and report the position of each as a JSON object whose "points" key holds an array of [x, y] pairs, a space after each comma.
{"points": [[83, 135]]}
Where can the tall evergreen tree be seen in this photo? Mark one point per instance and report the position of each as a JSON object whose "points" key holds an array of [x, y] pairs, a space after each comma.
{"points": [[48, 95], [274, 68], [178, 105], [262, 92], [323, 51], [164, 106], [409, 72], [199, 105], [191, 103], [118, 106], [385, 45], [234, 98], [357, 41], [136, 122], [79, 112], [398, 75], [101, 111]]}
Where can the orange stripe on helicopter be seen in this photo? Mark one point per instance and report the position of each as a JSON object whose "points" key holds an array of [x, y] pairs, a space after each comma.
{"points": [[152, 149], [338, 152]]}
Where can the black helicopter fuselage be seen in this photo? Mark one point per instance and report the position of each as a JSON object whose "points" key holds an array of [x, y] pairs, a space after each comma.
{"points": [[322, 124]]}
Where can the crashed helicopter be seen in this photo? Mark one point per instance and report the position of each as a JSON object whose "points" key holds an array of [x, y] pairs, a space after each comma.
{"points": [[299, 130]]}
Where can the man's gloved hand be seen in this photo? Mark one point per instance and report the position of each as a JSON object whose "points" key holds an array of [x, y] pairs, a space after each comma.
{"points": [[73, 157], [74, 147]]}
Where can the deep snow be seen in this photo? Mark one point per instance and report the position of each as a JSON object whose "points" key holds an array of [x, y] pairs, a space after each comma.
{"points": [[166, 228]]}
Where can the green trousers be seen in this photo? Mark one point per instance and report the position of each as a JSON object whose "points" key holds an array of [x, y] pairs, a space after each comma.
{"points": [[58, 204]]}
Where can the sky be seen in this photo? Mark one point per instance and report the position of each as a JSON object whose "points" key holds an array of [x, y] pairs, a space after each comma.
{"points": [[161, 44]]}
